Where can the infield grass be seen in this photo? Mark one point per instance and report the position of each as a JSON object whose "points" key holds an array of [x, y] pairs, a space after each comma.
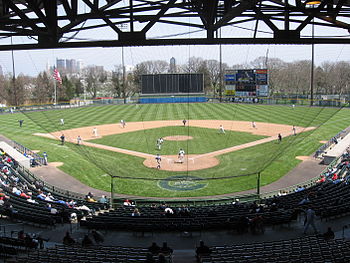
{"points": [[204, 140], [90, 165]]}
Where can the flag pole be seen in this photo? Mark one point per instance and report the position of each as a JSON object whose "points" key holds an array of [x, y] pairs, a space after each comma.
{"points": [[55, 91]]}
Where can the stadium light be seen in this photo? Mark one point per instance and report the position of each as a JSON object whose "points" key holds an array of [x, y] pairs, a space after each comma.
{"points": [[312, 4]]}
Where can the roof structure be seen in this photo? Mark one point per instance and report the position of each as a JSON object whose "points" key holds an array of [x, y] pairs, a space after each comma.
{"points": [[110, 23]]}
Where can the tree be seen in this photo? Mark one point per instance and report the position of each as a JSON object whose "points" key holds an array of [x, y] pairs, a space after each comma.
{"points": [[215, 74], [95, 78], [68, 90], [43, 91], [16, 90]]}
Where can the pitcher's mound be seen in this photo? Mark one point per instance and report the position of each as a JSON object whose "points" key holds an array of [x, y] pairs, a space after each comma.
{"points": [[178, 138]]}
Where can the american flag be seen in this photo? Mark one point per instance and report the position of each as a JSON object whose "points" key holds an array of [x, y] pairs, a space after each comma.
{"points": [[57, 76]]}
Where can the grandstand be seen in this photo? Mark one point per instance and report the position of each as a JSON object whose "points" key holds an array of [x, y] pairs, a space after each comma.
{"points": [[268, 218], [203, 161]]}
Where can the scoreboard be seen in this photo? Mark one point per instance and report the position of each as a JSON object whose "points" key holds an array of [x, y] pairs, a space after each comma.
{"points": [[246, 82], [152, 84]]}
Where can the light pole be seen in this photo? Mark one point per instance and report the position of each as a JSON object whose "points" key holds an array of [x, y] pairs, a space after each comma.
{"points": [[312, 3], [112, 190]]}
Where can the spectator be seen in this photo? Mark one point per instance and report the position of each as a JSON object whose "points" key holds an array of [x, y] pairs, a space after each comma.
{"points": [[136, 212], [310, 220], [103, 200], [202, 250], [21, 235], [329, 234], [165, 249], [68, 240], [300, 188], [154, 248]]}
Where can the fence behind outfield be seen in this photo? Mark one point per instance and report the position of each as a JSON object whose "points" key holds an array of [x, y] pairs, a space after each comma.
{"points": [[275, 100]]}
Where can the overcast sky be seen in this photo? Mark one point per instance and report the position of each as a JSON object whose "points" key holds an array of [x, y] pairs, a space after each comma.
{"points": [[33, 62]]}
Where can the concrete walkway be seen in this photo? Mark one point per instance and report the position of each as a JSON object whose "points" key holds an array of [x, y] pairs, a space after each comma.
{"points": [[307, 169]]}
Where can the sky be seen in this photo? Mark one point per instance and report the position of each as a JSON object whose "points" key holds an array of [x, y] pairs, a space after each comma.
{"points": [[32, 62]]}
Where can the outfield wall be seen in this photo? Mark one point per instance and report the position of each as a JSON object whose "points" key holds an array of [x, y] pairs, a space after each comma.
{"points": [[172, 100]]}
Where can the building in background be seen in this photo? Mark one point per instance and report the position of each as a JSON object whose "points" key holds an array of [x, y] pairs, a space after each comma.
{"points": [[61, 65], [69, 66]]}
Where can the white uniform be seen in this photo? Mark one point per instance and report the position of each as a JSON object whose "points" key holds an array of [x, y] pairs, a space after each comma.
{"points": [[94, 132], [62, 121], [254, 124], [221, 129], [181, 156], [78, 140], [122, 123]]}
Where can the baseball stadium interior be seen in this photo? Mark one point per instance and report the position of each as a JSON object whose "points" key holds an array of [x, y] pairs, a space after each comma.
{"points": [[204, 158]]}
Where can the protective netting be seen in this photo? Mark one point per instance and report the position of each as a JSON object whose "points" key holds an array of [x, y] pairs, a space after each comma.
{"points": [[247, 142]]}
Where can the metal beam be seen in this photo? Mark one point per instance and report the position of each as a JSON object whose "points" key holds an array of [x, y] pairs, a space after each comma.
{"points": [[174, 42]]}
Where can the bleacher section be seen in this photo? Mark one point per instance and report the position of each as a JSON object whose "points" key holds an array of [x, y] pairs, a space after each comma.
{"points": [[330, 197], [24, 200], [340, 145], [100, 254], [20, 158], [306, 249]]}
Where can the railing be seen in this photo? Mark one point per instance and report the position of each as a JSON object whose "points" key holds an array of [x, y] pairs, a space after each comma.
{"points": [[48, 187], [322, 149], [24, 150], [307, 183], [9, 229]]}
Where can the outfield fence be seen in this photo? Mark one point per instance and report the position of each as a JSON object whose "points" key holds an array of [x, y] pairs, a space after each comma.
{"points": [[275, 100]]}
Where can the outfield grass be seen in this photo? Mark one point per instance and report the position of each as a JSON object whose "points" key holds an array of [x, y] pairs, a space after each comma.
{"points": [[204, 140], [91, 165]]}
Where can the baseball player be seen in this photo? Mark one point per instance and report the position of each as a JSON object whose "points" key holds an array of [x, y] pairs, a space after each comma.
{"points": [[62, 121], [253, 124], [62, 139], [158, 144], [79, 140], [184, 122], [94, 132], [158, 160], [221, 129], [122, 123], [181, 155], [294, 130]]}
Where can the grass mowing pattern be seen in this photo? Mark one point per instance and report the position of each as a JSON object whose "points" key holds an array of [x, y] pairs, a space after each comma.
{"points": [[90, 165], [204, 140]]}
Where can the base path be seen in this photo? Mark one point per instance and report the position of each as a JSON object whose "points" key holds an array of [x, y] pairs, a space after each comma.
{"points": [[171, 162]]}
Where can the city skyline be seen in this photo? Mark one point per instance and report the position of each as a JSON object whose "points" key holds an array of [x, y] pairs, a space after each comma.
{"points": [[33, 62]]}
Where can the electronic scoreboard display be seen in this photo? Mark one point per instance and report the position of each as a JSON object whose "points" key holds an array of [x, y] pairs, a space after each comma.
{"points": [[246, 82]]}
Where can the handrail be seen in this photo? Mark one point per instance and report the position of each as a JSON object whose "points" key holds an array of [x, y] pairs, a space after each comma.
{"points": [[330, 141], [24, 150], [51, 188]]}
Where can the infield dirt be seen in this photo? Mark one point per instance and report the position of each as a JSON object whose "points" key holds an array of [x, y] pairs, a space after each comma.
{"points": [[171, 162]]}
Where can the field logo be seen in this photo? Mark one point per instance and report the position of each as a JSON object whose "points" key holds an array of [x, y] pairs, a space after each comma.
{"points": [[182, 183]]}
